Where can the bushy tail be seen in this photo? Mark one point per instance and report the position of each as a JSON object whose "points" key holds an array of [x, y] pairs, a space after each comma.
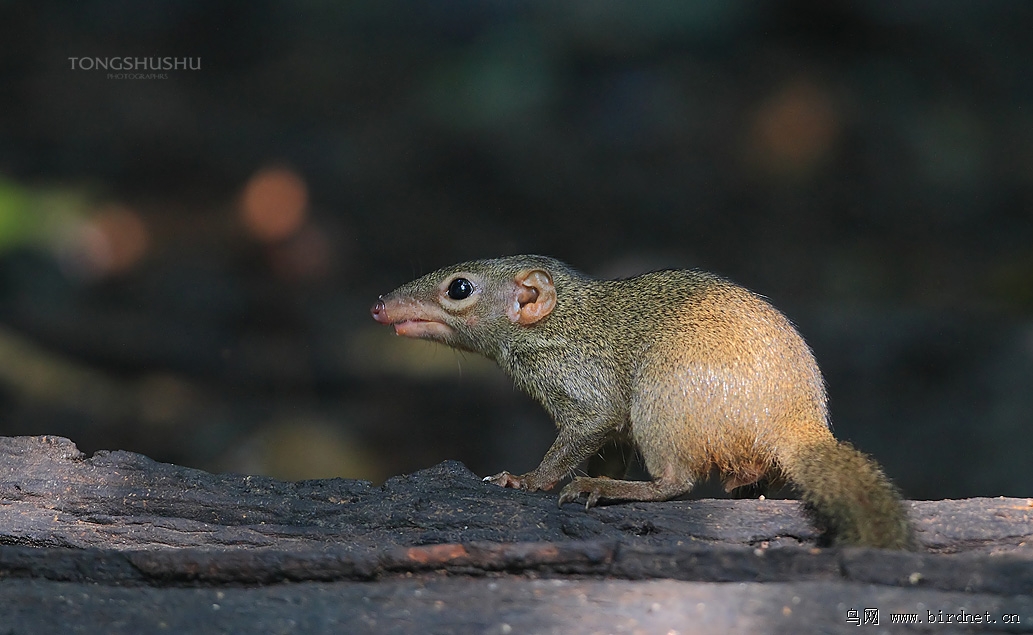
{"points": [[848, 495]]}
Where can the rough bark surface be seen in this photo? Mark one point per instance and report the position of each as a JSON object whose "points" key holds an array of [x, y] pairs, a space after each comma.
{"points": [[120, 540]]}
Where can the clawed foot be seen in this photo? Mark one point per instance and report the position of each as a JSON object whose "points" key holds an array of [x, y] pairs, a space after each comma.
{"points": [[528, 482], [602, 488], [594, 487], [505, 479]]}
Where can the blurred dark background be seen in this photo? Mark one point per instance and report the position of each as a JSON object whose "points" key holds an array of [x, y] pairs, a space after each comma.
{"points": [[187, 257]]}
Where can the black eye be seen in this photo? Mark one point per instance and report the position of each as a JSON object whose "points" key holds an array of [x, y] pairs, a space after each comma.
{"points": [[460, 289]]}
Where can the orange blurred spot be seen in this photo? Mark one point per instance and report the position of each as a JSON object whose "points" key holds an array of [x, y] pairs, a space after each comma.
{"points": [[795, 129], [274, 204], [113, 241]]}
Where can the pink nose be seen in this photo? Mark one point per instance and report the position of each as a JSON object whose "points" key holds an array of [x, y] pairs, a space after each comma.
{"points": [[379, 312]]}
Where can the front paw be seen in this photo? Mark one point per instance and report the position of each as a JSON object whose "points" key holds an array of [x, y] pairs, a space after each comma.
{"points": [[505, 479], [530, 482]]}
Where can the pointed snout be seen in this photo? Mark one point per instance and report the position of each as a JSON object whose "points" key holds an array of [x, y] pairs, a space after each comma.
{"points": [[410, 317], [379, 311]]}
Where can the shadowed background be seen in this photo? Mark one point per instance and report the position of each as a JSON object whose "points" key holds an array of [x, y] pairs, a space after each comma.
{"points": [[187, 257]]}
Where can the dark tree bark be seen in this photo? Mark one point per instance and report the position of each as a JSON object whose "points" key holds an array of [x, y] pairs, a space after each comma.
{"points": [[120, 540]]}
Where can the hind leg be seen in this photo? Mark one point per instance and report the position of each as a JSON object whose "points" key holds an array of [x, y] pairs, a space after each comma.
{"points": [[673, 472], [666, 487]]}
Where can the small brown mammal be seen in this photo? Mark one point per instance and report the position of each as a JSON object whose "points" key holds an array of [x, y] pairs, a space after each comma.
{"points": [[695, 371]]}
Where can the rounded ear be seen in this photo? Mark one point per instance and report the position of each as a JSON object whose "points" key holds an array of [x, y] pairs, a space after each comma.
{"points": [[533, 296]]}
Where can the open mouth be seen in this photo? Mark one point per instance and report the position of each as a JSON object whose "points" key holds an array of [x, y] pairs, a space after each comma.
{"points": [[422, 328], [405, 324]]}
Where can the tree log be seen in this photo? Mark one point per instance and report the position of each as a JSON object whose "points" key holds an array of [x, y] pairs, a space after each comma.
{"points": [[134, 545]]}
